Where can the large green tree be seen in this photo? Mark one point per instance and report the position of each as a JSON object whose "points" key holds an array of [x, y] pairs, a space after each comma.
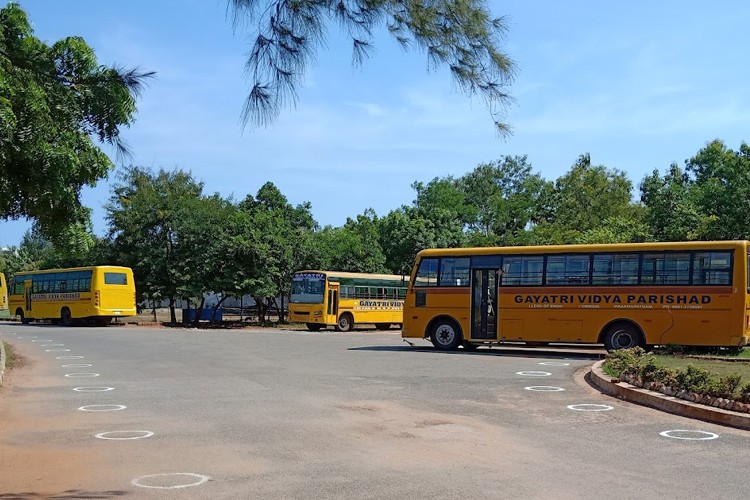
{"points": [[459, 34], [56, 103]]}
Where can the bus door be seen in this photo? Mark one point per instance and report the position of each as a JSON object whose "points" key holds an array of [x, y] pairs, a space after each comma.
{"points": [[27, 296], [333, 302], [484, 303]]}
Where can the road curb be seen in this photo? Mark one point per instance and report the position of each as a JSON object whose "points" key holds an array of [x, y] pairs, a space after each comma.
{"points": [[659, 401], [2, 362]]}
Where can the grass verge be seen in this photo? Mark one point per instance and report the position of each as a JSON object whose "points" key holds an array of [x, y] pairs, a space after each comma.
{"points": [[11, 358]]}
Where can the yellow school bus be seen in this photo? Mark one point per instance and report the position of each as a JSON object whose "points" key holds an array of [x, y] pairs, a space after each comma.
{"points": [[341, 300], [3, 297], [621, 295], [96, 293]]}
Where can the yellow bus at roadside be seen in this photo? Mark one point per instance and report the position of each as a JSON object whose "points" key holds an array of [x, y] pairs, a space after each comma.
{"points": [[621, 295], [3, 297], [96, 293], [342, 300]]}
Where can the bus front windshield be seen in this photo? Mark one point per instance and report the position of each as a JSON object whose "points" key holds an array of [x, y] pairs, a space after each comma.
{"points": [[308, 288]]}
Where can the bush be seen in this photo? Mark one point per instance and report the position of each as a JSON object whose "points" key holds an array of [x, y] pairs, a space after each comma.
{"points": [[744, 393], [624, 360], [694, 379]]}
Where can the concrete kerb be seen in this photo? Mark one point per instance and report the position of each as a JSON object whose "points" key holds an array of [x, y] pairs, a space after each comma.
{"points": [[2, 362], [659, 401]]}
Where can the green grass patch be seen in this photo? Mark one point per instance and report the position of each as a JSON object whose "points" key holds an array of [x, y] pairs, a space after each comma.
{"points": [[11, 358], [718, 367]]}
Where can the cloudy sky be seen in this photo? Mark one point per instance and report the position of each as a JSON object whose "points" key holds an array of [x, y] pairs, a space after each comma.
{"points": [[638, 85]]}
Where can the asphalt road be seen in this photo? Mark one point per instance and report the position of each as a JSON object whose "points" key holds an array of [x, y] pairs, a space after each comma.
{"points": [[281, 414]]}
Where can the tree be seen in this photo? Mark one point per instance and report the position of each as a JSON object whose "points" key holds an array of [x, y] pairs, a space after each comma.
{"points": [[55, 102], [145, 213], [460, 34], [582, 200], [671, 206]]}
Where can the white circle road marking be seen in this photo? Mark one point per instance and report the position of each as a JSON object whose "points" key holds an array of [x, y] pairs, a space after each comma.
{"points": [[53, 345], [81, 375], [69, 357], [111, 435], [42, 340], [706, 435], [590, 407], [200, 479], [534, 374], [102, 407], [77, 365], [554, 363], [57, 350], [544, 388], [93, 389]]}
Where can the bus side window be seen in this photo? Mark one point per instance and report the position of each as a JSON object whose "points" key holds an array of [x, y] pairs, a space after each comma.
{"points": [[427, 273]]}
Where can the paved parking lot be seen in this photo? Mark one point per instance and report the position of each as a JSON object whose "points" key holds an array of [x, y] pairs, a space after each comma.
{"points": [[282, 414]]}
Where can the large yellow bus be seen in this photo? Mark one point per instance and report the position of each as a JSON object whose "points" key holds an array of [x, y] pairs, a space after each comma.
{"points": [[3, 297], [341, 300], [97, 293], [621, 295]]}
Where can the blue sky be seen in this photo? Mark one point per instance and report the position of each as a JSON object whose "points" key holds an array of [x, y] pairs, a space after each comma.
{"points": [[638, 85]]}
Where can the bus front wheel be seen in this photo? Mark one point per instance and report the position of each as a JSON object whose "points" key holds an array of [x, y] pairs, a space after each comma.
{"points": [[345, 323], [314, 327], [623, 336], [65, 317], [446, 336], [24, 319]]}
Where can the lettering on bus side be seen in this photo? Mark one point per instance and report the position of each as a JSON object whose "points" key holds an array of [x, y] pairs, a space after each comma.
{"points": [[380, 304], [55, 296], [308, 276], [589, 301]]}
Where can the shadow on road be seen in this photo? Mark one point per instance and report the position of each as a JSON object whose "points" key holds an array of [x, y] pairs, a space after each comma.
{"points": [[68, 494], [568, 352]]}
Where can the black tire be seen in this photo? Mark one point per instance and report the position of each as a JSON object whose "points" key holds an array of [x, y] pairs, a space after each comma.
{"points": [[345, 323], [24, 319], [623, 336], [446, 335], [314, 327], [383, 326], [65, 318]]}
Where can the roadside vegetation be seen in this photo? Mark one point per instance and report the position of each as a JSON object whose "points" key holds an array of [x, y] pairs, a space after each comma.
{"points": [[11, 358], [720, 378]]}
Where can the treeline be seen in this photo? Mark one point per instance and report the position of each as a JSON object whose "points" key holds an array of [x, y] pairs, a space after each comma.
{"points": [[182, 242]]}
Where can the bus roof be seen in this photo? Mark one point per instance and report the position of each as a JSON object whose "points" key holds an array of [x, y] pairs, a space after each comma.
{"points": [[343, 274], [85, 268], [609, 247]]}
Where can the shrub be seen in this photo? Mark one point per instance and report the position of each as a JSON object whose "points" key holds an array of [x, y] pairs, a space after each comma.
{"points": [[694, 379], [744, 393], [624, 360]]}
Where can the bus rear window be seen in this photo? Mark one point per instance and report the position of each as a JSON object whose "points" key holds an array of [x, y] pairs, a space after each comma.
{"points": [[115, 279]]}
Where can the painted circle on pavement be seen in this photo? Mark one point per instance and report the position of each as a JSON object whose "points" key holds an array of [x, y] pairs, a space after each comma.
{"points": [[544, 388], [42, 340], [533, 373], [554, 363], [77, 365], [124, 435], [590, 407], [51, 345], [686, 434], [162, 481], [102, 407], [69, 357], [81, 375], [57, 350], [93, 389]]}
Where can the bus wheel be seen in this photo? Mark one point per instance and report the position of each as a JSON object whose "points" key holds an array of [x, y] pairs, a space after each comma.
{"points": [[65, 317], [313, 327], [446, 335], [24, 320], [383, 326], [345, 323], [623, 336]]}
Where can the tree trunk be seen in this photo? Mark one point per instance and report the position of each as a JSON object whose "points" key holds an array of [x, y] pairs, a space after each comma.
{"points": [[172, 315], [260, 306], [216, 308], [199, 312], [282, 315]]}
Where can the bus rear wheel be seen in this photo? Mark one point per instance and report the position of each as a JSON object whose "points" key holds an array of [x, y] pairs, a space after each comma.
{"points": [[623, 336], [313, 327], [345, 323], [383, 326], [65, 317], [446, 335]]}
